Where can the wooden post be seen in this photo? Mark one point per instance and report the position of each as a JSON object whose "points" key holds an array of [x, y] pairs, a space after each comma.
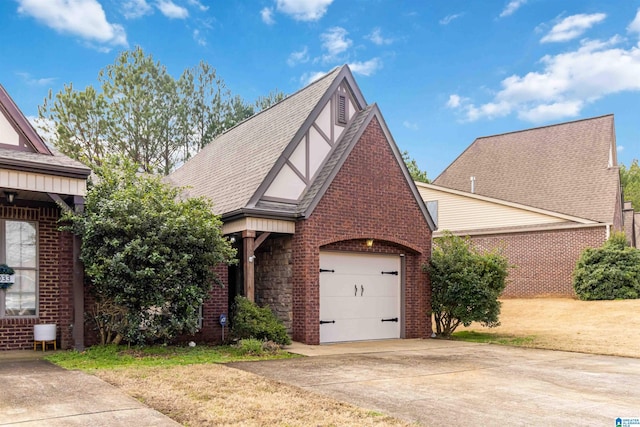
{"points": [[248, 237], [78, 285]]}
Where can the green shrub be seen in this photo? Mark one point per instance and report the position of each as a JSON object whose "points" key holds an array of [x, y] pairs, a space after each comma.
{"points": [[251, 321], [609, 272], [465, 284], [250, 346]]}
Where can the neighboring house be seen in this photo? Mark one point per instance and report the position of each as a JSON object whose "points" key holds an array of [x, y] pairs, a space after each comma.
{"points": [[35, 184], [543, 195], [330, 228]]}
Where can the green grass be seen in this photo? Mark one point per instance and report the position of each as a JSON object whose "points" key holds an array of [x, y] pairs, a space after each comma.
{"points": [[489, 338], [114, 357]]}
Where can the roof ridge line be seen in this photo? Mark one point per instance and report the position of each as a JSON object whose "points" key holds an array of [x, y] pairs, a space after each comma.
{"points": [[545, 126]]}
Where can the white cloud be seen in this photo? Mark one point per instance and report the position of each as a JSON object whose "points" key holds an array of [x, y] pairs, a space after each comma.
{"points": [[267, 16], [132, 9], [299, 57], [447, 19], [335, 41], [634, 27], [366, 68], [84, 18], [511, 7], [311, 76], [376, 38], [199, 38], [172, 10], [572, 27], [197, 4], [32, 81], [410, 125], [304, 10], [620, 148], [566, 84]]}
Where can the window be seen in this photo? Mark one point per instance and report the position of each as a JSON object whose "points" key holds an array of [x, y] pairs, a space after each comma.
{"points": [[19, 250]]}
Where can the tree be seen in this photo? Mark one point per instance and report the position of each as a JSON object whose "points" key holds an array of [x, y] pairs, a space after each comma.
{"points": [[149, 256], [609, 272], [465, 284], [416, 173], [144, 113], [630, 181]]}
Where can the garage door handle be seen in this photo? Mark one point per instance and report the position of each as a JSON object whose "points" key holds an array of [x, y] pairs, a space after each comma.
{"points": [[322, 322], [324, 270], [356, 292], [393, 273], [361, 290], [395, 319]]}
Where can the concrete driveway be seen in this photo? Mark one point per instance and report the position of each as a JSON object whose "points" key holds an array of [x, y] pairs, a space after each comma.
{"points": [[36, 393], [437, 382]]}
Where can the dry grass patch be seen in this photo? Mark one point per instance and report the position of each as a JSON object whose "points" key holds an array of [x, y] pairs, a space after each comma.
{"points": [[211, 394], [598, 327]]}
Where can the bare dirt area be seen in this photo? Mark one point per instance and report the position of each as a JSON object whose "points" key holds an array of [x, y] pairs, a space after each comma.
{"points": [[210, 394], [598, 327]]}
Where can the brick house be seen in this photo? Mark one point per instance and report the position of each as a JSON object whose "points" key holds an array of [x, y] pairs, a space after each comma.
{"points": [[330, 228], [543, 195], [35, 184]]}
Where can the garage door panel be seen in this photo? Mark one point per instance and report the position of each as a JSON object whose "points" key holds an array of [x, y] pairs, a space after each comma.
{"points": [[356, 296]]}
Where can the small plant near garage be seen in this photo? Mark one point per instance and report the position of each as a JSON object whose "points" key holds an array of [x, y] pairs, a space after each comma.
{"points": [[465, 284], [252, 321], [609, 272]]}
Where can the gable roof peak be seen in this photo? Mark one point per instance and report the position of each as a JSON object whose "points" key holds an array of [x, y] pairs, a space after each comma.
{"points": [[13, 114]]}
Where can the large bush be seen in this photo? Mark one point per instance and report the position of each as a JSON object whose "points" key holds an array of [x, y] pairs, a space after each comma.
{"points": [[609, 272], [251, 321], [147, 254], [465, 284]]}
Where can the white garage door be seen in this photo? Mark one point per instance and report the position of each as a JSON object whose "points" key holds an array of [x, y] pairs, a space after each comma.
{"points": [[359, 297]]}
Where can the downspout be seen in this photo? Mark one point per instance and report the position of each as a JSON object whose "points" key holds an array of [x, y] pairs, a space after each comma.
{"points": [[608, 234]]}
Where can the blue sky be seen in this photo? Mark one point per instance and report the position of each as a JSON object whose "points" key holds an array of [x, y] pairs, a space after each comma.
{"points": [[442, 71]]}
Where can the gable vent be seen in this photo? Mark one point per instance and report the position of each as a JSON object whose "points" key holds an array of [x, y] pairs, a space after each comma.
{"points": [[342, 109]]}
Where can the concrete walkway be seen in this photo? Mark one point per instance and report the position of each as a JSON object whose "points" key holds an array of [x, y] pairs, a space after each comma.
{"points": [[438, 382], [36, 392]]}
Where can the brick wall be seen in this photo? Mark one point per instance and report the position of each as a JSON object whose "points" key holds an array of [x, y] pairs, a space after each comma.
{"points": [[368, 198], [55, 299], [273, 278], [543, 260]]}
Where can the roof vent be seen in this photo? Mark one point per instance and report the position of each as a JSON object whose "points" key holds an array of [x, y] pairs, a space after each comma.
{"points": [[473, 184], [342, 109]]}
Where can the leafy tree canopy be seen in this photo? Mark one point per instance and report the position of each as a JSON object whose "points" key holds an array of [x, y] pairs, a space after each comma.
{"points": [[416, 173], [147, 254], [140, 111], [630, 181], [465, 284]]}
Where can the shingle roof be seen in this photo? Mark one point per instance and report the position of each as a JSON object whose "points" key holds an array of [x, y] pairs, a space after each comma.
{"points": [[562, 168], [44, 163], [244, 155]]}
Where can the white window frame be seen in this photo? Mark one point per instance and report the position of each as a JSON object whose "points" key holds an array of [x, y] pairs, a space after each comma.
{"points": [[36, 270]]}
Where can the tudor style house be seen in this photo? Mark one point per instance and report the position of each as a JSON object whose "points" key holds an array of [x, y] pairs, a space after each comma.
{"points": [[330, 228], [35, 184], [543, 195]]}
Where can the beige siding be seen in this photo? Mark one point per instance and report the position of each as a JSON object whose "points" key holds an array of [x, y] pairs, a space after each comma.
{"points": [[458, 212], [42, 183], [259, 224]]}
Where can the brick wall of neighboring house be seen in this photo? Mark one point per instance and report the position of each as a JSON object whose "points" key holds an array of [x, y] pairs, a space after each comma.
{"points": [[273, 278], [55, 300], [544, 260], [368, 198], [628, 215]]}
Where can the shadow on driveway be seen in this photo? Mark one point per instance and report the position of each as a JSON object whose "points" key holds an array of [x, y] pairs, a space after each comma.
{"points": [[438, 382]]}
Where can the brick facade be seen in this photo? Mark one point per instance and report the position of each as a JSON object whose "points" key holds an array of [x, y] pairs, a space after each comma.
{"points": [[368, 198], [55, 297], [273, 278], [543, 260]]}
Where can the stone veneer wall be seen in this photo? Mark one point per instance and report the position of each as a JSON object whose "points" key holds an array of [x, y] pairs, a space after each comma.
{"points": [[273, 278]]}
